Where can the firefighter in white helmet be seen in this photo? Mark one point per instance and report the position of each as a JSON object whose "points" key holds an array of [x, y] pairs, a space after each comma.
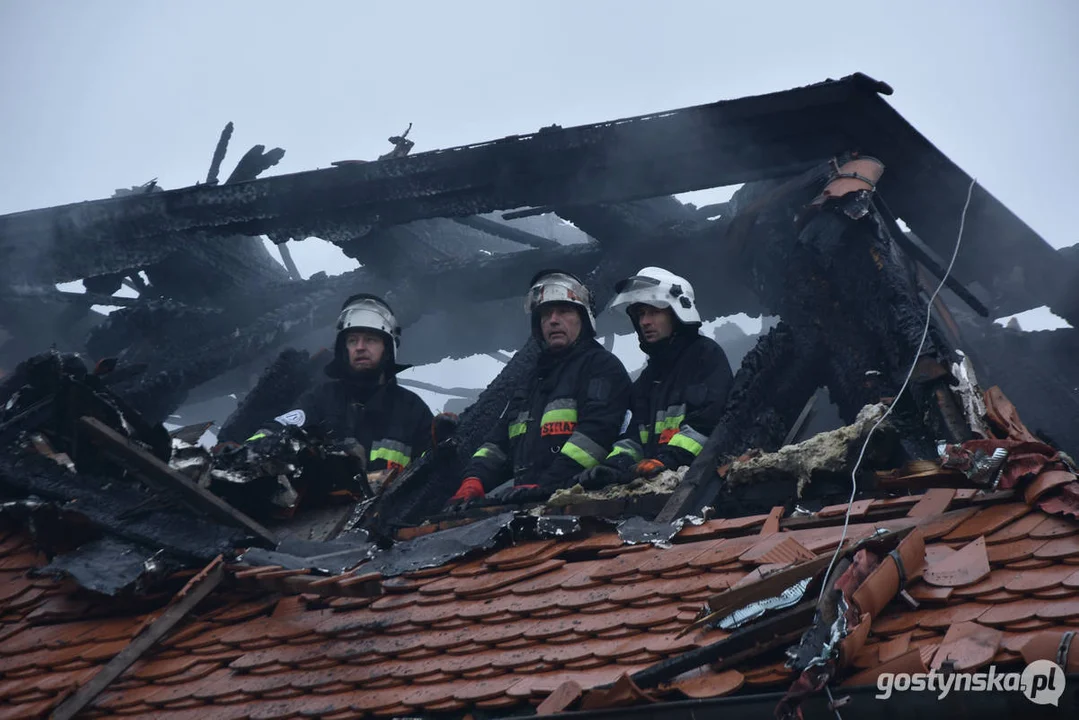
{"points": [[566, 416], [362, 399], [682, 391]]}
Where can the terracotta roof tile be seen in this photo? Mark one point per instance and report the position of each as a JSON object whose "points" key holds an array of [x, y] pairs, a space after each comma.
{"points": [[1060, 609], [936, 526], [965, 567], [1016, 530], [777, 548], [1031, 624], [934, 502], [1045, 482], [1046, 645], [499, 580], [1054, 527], [987, 521], [724, 552], [1037, 579], [1009, 613], [926, 593], [969, 645], [1014, 551], [485, 672], [624, 549], [1053, 593], [942, 618], [993, 582], [525, 552], [1058, 548], [30, 710]]}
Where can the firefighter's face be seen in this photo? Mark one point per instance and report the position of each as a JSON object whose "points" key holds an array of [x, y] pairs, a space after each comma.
{"points": [[560, 324], [365, 349], [655, 323]]}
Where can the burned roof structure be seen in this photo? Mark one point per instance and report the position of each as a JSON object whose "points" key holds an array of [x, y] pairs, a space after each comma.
{"points": [[780, 575]]}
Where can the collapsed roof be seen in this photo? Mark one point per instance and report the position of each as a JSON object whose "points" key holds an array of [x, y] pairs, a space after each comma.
{"points": [[146, 576]]}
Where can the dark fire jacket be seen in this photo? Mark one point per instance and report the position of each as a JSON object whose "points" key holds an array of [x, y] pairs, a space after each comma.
{"points": [[391, 422], [563, 420], [677, 400]]}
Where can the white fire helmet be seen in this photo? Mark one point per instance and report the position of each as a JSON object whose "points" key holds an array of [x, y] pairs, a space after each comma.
{"points": [[368, 312], [659, 288], [550, 286]]}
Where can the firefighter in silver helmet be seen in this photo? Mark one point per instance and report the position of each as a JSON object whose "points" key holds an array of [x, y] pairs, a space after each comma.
{"points": [[362, 399], [566, 415], [680, 395]]}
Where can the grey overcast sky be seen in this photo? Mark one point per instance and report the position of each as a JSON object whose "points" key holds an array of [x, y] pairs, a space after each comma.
{"points": [[111, 93]]}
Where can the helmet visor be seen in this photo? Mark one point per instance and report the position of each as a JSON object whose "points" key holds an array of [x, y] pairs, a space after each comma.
{"points": [[637, 283], [641, 289], [368, 315], [556, 288]]}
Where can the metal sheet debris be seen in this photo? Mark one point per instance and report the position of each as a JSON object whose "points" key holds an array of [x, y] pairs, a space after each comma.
{"points": [[439, 548], [111, 566]]}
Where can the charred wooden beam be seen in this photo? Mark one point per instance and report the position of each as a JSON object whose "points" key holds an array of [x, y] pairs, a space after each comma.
{"points": [[219, 154], [162, 477], [776, 631], [507, 232], [117, 508], [183, 356], [722, 143]]}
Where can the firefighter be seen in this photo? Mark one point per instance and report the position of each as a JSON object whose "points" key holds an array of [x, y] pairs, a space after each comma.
{"points": [[679, 396], [362, 399], [564, 418]]}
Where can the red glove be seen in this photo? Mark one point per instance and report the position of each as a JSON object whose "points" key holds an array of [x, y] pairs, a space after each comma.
{"points": [[471, 489], [648, 468]]}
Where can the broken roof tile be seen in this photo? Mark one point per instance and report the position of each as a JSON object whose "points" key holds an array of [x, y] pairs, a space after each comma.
{"points": [[720, 526], [966, 567], [934, 502], [771, 523], [777, 548], [925, 593], [968, 645], [1045, 482], [1047, 645]]}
